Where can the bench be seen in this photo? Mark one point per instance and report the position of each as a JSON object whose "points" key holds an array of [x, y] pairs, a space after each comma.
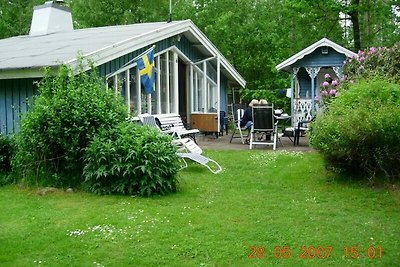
{"points": [[173, 124]]}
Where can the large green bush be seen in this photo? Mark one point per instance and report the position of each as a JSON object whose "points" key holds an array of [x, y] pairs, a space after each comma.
{"points": [[131, 159], [69, 111], [360, 130], [5, 154]]}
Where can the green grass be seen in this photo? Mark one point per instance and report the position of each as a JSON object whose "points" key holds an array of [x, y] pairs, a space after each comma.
{"points": [[261, 200]]}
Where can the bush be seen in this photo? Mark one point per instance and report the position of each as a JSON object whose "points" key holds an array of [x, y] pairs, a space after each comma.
{"points": [[375, 62], [5, 154], [360, 130], [131, 159], [69, 111]]}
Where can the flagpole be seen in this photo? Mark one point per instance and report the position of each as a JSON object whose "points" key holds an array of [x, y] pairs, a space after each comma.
{"points": [[170, 11], [130, 61]]}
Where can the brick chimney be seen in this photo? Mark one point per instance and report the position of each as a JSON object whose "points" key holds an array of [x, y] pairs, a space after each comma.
{"points": [[50, 18]]}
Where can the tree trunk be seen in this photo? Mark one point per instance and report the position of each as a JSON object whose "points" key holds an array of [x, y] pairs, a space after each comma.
{"points": [[354, 16]]}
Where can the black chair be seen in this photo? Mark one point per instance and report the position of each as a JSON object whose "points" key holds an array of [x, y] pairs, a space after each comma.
{"points": [[264, 123], [302, 128]]}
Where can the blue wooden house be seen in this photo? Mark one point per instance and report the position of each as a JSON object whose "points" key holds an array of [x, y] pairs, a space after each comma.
{"points": [[192, 77], [307, 71]]}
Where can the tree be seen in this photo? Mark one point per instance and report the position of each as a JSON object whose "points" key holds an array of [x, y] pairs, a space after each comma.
{"points": [[16, 17], [96, 13]]}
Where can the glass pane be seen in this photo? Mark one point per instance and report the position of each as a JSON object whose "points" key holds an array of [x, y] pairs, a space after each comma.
{"points": [[134, 98], [121, 78], [111, 82], [200, 89], [163, 77], [171, 82]]}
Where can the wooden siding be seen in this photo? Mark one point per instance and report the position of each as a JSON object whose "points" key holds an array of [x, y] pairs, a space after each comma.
{"points": [[316, 58], [14, 98]]}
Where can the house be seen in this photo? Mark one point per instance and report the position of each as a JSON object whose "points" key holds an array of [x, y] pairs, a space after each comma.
{"points": [[307, 71], [192, 76]]}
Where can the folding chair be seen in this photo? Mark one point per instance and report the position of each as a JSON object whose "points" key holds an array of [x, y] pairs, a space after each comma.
{"points": [[237, 111], [188, 149], [264, 122]]}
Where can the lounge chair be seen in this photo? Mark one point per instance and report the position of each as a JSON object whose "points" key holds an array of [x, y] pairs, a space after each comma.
{"points": [[188, 149]]}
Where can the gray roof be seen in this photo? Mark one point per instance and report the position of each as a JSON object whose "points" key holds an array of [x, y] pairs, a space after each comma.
{"points": [[102, 44]]}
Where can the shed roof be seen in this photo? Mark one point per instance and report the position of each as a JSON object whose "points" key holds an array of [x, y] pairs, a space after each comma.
{"points": [[286, 65], [28, 54]]}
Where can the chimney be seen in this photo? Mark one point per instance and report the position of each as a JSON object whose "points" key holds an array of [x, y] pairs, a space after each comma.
{"points": [[50, 18]]}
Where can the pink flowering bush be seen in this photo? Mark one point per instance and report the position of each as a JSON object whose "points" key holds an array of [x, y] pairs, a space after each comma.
{"points": [[329, 91], [374, 62]]}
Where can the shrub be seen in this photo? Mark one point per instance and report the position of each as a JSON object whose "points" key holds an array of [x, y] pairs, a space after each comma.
{"points": [[360, 130], [374, 62], [131, 159], [70, 109], [5, 154]]}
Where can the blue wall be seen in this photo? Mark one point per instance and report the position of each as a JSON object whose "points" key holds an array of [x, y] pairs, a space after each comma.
{"points": [[14, 97]]}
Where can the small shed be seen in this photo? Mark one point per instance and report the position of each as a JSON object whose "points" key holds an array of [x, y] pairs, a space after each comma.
{"points": [[192, 77], [307, 71]]}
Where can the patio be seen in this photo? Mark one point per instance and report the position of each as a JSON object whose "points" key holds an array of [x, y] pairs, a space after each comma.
{"points": [[222, 143]]}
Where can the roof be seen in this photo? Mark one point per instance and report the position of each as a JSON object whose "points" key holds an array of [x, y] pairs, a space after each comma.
{"points": [[28, 54], [286, 65]]}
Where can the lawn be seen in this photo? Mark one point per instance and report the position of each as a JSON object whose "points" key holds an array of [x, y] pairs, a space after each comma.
{"points": [[265, 208]]}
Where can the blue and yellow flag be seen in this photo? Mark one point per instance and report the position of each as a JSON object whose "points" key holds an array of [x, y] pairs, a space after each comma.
{"points": [[147, 71]]}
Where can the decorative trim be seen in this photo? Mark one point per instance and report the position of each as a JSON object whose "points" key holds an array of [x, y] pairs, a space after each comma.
{"points": [[313, 71], [338, 71]]}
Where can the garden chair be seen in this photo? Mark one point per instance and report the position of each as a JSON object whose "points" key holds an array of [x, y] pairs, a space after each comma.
{"points": [[188, 149], [302, 128], [264, 123], [237, 111]]}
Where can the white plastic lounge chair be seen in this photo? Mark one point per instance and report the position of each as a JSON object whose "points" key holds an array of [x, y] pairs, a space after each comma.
{"points": [[188, 149]]}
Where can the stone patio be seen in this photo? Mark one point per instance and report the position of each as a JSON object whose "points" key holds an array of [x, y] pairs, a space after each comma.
{"points": [[222, 143]]}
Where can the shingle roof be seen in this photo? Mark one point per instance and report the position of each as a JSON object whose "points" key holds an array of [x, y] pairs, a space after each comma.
{"points": [[61, 47]]}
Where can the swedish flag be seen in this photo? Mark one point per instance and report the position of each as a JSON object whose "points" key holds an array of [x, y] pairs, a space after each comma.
{"points": [[147, 71]]}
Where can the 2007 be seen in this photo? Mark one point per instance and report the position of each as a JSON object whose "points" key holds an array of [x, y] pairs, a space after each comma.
{"points": [[312, 252]]}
